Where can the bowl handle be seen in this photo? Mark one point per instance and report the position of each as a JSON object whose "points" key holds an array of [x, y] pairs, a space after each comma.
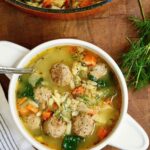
{"points": [[130, 136], [11, 54]]}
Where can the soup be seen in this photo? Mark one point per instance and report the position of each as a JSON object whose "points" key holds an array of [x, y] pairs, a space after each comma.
{"points": [[71, 101], [60, 4]]}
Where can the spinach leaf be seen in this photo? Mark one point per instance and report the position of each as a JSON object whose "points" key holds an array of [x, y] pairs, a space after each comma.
{"points": [[71, 142], [38, 82], [35, 79], [92, 78], [101, 83], [27, 91]]}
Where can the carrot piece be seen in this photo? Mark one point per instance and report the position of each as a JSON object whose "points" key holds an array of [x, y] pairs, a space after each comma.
{"points": [[102, 133], [32, 108], [21, 101], [89, 59], [55, 106], [48, 110], [84, 3], [92, 112], [46, 115], [67, 3], [78, 90], [46, 3], [23, 111], [72, 49]]}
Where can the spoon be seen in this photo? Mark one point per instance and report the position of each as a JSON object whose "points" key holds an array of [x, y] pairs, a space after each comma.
{"points": [[10, 70]]}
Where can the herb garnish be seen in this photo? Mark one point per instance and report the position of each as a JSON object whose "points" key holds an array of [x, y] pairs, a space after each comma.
{"points": [[27, 91], [136, 62]]}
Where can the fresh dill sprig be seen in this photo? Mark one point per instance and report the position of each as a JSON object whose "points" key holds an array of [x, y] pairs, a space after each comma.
{"points": [[143, 28], [136, 62]]}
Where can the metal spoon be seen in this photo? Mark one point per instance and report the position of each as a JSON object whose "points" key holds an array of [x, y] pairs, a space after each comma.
{"points": [[10, 70]]}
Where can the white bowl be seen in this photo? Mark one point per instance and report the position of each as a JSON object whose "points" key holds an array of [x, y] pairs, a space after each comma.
{"points": [[119, 135]]}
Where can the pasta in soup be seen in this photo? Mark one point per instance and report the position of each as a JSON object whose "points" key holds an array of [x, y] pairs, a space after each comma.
{"points": [[71, 101]]}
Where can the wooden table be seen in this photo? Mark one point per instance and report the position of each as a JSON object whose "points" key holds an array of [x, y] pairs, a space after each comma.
{"points": [[108, 30]]}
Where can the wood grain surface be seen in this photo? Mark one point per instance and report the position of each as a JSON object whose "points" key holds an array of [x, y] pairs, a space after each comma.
{"points": [[107, 29]]}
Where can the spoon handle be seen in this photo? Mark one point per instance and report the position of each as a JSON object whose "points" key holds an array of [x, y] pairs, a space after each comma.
{"points": [[10, 70]]}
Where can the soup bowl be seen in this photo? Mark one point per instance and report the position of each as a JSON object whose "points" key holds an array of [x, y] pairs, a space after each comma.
{"points": [[127, 133]]}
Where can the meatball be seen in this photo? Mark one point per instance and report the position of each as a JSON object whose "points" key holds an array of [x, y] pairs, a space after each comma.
{"points": [[61, 74], [42, 94], [83, 125], [33, 122], [99, 70], [54, 127]]}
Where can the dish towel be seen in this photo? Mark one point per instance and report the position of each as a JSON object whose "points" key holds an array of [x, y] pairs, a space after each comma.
{"points": [[10, 137]]}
